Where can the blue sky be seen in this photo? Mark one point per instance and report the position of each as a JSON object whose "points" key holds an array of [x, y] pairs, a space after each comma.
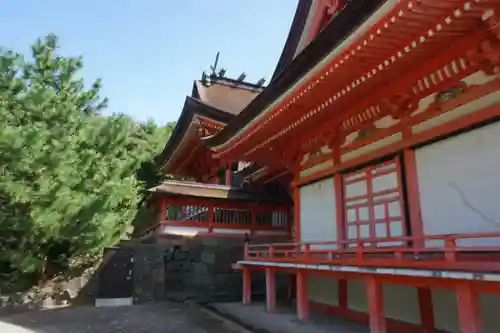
{"points": [[148, 52]]}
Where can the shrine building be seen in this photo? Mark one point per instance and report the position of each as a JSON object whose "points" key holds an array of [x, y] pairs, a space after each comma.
{"points": [[372, 154]]}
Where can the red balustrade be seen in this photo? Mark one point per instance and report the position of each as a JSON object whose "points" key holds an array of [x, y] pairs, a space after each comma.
{"points": [[480, 252], [225, 218]]}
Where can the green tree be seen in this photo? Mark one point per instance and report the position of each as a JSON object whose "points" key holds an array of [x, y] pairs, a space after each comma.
{"points": [[68, 184]]}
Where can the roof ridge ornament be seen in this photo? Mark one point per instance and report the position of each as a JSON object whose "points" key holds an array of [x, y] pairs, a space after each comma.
{"points": [[217, 75]]}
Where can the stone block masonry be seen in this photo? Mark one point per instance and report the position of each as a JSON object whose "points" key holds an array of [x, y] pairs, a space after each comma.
{"points": [[182, 268]]}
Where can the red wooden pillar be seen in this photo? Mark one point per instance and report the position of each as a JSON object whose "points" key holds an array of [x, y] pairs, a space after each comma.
{"points": [[469, 313], [426, 310], [342, 292], [302, 296], [211, 209], [229, 176], [253, 216], [376, 306], [247, 286], [270, 290], [296, 212], [339, 206], [163, 213], [411, 180]]}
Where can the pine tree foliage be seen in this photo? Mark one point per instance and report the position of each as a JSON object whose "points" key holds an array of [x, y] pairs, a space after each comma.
{"points": [[68, 174]]}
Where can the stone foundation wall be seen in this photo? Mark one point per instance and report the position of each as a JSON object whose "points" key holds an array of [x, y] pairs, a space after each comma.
{"points": [[191, 268], [177, 269]]}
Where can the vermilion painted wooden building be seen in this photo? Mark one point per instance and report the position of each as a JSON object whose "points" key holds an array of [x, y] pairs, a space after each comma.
{"points": [[214, 201], [384, 115]]}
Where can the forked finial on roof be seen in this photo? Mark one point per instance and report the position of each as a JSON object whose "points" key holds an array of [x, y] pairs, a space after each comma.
{"points": [[261, 82], [214, 66], [242, 77]]}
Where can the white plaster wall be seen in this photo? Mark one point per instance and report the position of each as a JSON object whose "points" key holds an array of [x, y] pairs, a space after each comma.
{"points": [[489, 309], [357, 298], [460, 185], [318, 214], [323, 290], [401, 303], [444, 304], [446, 313]]}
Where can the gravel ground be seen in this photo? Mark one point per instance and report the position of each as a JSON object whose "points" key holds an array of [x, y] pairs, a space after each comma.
{"points": [[153, 318]]}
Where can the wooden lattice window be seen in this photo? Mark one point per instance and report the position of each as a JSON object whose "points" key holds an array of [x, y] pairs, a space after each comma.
{"points": [[373, 202]]}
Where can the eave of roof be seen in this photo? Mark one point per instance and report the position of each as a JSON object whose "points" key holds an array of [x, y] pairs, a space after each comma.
{"points": [[216, 192], [192, 107], [353, 14], [293, 39]]}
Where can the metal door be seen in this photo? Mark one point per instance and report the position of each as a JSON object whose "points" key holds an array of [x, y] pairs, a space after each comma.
{"points": [[116, 275]]}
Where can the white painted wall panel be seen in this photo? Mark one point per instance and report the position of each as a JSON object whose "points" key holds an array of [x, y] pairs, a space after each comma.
{"points": [[460, 184], [357, 298], [318, 214], [323, 290], [446, 313], [401, 303]]}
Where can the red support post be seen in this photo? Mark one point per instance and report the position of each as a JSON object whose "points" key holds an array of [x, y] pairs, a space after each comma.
{"points": [[270, 290], [247, 286], [469, 313], [376, 306], [211, 209], [253, 223], [302, 296], [342, 292], [411, 180], [163, 213], [426, 310], [339, 206], [296, 212], [229, 178]]}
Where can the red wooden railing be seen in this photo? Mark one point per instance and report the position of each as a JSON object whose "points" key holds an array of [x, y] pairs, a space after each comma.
{"points": [[212, 216], [448, 254]]}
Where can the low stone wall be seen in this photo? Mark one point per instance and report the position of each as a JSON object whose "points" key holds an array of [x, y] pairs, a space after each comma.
{"points": [[197, 268], [178, 269]]}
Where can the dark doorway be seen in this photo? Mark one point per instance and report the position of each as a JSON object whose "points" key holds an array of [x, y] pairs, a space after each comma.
{"points": [[116, 275]]}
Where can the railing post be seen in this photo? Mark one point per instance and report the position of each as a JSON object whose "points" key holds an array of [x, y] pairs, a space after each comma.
{"points": [[360, 252], [307, 248], [271, 251], [211, 208], [450, 250]]}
